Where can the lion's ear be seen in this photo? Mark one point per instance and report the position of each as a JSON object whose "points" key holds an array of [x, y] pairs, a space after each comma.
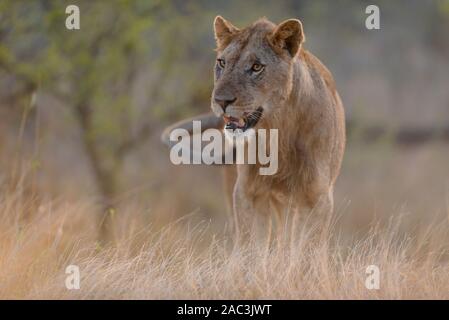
{"points": [[224, 32], [289, 36]]}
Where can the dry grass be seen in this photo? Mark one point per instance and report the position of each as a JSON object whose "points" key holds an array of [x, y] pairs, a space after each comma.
{"points": [[38, 239]]}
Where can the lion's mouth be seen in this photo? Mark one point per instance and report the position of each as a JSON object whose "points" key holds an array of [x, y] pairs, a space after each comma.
{"points": [[249, 120]]}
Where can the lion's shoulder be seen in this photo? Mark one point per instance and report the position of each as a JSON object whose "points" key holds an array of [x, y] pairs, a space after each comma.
{"points": [[315, 66]]}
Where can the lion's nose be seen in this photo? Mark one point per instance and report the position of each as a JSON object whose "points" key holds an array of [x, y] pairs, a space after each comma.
{"points": [[223, 102]]}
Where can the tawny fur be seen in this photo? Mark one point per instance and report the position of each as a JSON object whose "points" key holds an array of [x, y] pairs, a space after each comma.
{"points": [[301, 101]]}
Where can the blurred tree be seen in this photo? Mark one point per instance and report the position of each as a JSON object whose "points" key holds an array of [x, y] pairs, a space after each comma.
{"points": [[91, 70]]}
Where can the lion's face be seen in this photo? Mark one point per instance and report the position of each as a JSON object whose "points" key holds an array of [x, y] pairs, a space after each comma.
{"points": [[253, 70]]}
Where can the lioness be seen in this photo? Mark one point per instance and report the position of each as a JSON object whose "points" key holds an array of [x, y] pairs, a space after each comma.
{"points": [[265, 79]]}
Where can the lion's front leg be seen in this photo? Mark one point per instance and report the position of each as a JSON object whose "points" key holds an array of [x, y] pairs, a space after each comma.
{"points": [[316, 212], [252, 216], [244, 211]]}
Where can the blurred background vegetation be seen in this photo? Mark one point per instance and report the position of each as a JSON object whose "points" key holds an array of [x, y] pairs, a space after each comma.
{"points": [[82, 110]]}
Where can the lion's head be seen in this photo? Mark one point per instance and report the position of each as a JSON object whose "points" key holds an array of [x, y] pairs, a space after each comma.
{"points": [[253, 70]]}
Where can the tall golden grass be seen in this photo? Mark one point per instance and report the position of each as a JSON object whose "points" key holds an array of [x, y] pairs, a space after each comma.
{"points": [[39, 238]]}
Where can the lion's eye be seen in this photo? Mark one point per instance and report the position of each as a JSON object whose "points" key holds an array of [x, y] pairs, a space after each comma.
{"points": [[221, 63], [257, 67]]}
